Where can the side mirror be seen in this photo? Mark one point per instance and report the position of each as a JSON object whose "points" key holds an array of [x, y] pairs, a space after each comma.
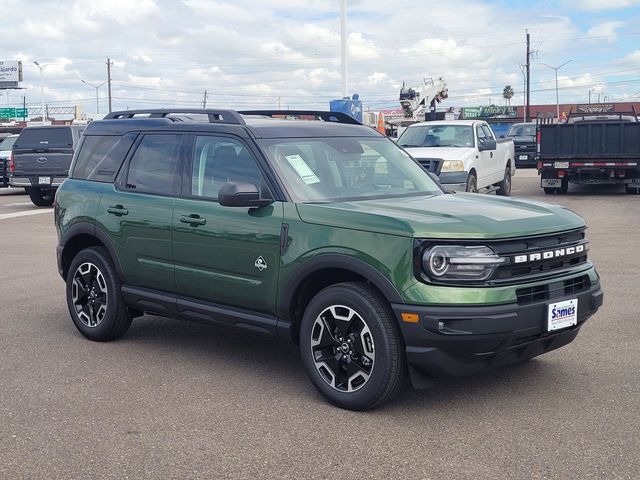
{"points": [[241, 194], [488, 144]]}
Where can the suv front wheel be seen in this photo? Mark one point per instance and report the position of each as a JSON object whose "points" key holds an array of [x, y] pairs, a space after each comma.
{"points": [[94, 298], [351, 347]]}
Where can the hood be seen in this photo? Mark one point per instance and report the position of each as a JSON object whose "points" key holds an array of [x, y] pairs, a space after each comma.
{"points": [[460, 215], [446, 153]]}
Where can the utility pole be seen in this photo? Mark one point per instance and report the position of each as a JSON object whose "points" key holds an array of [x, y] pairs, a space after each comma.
{"points": [[109, 64], [41, 67], [24, 107], [343, 45], [528, 88], [204, 100]]}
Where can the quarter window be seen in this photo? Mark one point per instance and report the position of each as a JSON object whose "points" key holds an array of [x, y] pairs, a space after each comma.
{"points": [[100, 157], [154, 167]]}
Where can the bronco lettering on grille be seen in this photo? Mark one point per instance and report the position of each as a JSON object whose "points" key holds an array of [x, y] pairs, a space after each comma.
{"points": [[548, 254]]}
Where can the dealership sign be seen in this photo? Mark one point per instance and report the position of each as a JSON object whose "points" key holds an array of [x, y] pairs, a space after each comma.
{"points": [[596, 108], [10, 73], [488, 112]]}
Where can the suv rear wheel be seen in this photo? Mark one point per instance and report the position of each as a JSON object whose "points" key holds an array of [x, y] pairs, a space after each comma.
{"points": [[351, 347], [94, 297], [40, 197]]}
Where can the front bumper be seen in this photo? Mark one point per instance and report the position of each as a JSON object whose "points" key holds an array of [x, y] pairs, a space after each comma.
{"points": [[33, 181], [457, 341], [454, 181]]}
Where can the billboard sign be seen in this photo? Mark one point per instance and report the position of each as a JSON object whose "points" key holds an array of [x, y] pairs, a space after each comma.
{"points": [[10, 73]]}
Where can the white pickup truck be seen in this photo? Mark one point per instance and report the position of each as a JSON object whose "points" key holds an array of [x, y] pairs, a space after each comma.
{"points": [[464, 154]]}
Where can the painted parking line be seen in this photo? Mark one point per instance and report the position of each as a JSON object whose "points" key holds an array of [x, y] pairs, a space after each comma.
{"points": [[18, 204], [4, 216]]}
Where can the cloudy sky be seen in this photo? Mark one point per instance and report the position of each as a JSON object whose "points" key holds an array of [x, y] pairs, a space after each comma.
{"points": [[256, 53]]}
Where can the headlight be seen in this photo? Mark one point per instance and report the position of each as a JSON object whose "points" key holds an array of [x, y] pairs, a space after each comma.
{"points": [[452, 166], [461, 263]]}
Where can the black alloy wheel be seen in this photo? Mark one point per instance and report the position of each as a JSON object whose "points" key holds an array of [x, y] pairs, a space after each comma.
{"points": [[89, 294], [342, 348]]}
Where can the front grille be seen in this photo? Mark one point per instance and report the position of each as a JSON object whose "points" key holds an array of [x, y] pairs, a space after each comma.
{"points": [[432, 165], [543, 267], [552, 290], [532, 294]]}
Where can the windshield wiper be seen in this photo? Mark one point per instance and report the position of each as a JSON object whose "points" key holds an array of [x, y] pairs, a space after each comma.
{"points": [[410, 146]]}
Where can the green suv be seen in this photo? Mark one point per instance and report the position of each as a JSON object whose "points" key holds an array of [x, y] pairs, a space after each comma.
{"points": [[321, 233]]}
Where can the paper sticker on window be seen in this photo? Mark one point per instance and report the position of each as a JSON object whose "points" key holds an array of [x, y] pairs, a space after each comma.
{"points": [[408, 185], [302, 169]]}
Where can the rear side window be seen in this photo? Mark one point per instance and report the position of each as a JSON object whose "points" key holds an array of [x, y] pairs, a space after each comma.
{"points": [[100, 157], [154, 167], [42, 138]]}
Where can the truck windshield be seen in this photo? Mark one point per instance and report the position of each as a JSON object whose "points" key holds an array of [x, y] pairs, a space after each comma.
{"points": [[346, 168], [522, 131], [437, 136]]}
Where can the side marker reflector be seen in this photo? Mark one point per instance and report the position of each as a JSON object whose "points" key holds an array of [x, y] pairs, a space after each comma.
{"points": [[410, 317]]}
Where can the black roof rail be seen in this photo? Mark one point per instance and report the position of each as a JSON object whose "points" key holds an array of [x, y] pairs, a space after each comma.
{"points": [[336, 117], [215, 115]]}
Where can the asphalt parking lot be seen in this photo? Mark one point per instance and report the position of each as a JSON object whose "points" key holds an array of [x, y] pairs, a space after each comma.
{"points": [[179, 400]]}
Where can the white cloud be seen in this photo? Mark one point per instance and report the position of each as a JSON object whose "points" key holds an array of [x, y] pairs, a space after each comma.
{"points": [[605, 31], [596, 5]]}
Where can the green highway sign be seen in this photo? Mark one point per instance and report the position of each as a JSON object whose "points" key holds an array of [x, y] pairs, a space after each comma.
{"points": [[13, 112]]}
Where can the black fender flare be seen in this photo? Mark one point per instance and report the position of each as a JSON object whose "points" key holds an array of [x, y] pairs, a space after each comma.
{"points": [[86, 228], [288, 290]]}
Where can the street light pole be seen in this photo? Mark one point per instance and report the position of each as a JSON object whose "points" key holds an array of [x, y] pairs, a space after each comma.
{"points": [[41, 89], [557, 99], [92, 85]]}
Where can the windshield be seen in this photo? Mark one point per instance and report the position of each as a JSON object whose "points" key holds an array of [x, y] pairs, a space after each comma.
{"points": [[522, 131], [437, 136], [7, 143], [346, 168]]}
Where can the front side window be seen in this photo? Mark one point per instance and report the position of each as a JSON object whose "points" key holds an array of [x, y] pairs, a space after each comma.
{"points": [[437, 136], [218, 160], [154, 167], [346, 168]]}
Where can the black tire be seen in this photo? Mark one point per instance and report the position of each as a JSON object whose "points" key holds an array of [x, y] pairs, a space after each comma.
{"points": [[564, 187], [632, 190], [504, 187], [40, 197], [549, 190], [472, 183], [376, 335], [115, 320]]}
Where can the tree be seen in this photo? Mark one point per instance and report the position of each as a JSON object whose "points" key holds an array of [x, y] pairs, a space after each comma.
{"points": [[507, 93]]}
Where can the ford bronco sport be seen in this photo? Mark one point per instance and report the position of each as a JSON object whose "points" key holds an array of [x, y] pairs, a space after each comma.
{"points": [[321, 233]]}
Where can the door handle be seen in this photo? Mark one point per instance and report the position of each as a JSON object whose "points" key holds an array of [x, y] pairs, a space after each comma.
{"points": [[117, 210], [193, 220]]}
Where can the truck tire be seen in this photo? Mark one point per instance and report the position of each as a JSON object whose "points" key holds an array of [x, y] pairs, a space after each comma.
{"points": [[549, 190], [351, 346], [504, 187], [41, 198], [472, 183], [564, 187], [94, 296]]}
